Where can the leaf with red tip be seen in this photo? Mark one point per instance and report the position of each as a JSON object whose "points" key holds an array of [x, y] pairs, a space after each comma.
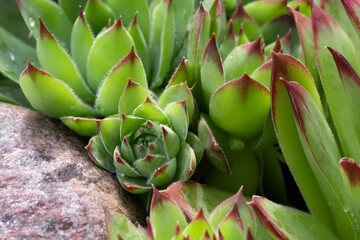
{"points": [[225, 208], [99, 154], [350, 172], [81, 42], [127, 9], [164, 212], [240, 107], [122, 166], [83, 126], [243, 59], [118, 226], [278, 26], [216, 9], [190, 196], [108, 96], [178, 93], [181, 75], [178, 117], [198, 226], [305, 31], [336, 10], [215, 143], [110, 46], [98, 14], [285, 126], [148, 110], [54, 59], [141, 46], [52, 15], [198, 36], [322, 153], [287, 223], [196, 145], [171, 141], [162, 41], [250, 27], [71, 8], [51, 96], [351, 84], [327, 33], [263, 73], [186, 163], [241, 37], [128, 124], [229, 42], [352, 8], [133, 185], [109, 131], [133, 95], [232, 226], [149, 230], [147, 165], [164, 174], [212, 74], [264, 11]]}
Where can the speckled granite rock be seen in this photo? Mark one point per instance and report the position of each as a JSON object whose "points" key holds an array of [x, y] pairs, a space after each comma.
{"points": [[49, 188]]}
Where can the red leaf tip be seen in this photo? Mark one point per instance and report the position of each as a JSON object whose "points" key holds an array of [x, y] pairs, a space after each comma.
{"points": [[44, 30], [352, 170], [134, 21], [118, 24], [81, 15]]}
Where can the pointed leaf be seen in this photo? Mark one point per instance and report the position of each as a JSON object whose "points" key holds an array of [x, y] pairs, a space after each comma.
{"points": [[216, 9], [177, 93], [110, 46], [164, 174], [119, 227], [99, 154], [250, 27], [54, 59], [181, 75], [198, 36], [110, 134], [51, 96], [129, 124], [232, 225], [71, 8], [243, 59], [323, 154], [140, 43], [164, 212], [83, 126], [196, 145], [133, 95], [147, 165], [263, 74], [277, 27], [198, 226], [98, 14], [133, 185], [229, 42], [240, 107], [172, 141], [81, 42], [130, 67], [327, 33], [127, 9], [122, 166], [214, 141], [191, 196], [287, 223], [52, 15], [178, 118], [186, 163], [352, 10], [148, 110]]}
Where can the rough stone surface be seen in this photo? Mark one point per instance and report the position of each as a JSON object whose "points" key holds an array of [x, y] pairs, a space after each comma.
{"points": [[49, 188]]}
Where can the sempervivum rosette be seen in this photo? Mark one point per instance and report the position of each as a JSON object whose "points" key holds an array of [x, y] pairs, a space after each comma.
{"points": [[148, 143]]}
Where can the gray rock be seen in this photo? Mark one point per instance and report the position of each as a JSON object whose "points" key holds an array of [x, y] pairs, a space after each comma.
{"points": [[49, 188]]}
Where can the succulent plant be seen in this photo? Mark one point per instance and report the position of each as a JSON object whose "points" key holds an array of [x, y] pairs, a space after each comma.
{"points": [[69, 47], [148, 142], [232, 219]]}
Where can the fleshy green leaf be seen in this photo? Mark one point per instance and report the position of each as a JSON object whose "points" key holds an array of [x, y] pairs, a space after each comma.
{"points": [[277, 27], [133, 185], [164, 174], [186, 163], [177, 93], [287, 223], [352, 10], [181, 75], [164, 212], [51, 96], [98, 15], [122, 166], [243, 59], [196, 145], [71, 8], [109, 131], [127, 9], [263, 74], [81, 42], [232, 225], [263, 11], [110, 46], [133, 95], [52, 15], [191, 196], [229, 42], [54, 59], [178, 118], [148, 110], [198, 227], [99, 154], [217, 13], [130, 67], [119, 227], [83, 126], [147, 165], [129, 124], [327, 33], [240, 107]]}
